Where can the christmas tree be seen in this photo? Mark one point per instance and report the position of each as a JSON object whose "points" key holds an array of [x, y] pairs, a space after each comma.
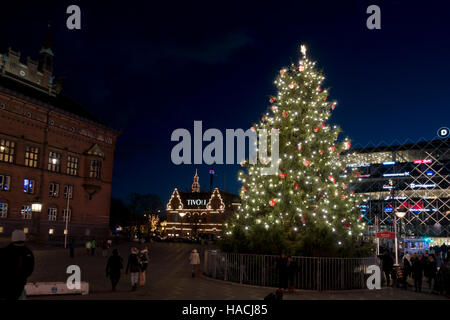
{"points": [[307, 208]]}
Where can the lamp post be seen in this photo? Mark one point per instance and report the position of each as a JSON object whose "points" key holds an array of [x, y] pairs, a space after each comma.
{"points": [[182, 214], [398, 214], [66, 230], [36, 208]]}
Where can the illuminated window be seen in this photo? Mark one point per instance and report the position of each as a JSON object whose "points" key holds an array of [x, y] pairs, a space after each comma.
{"points": [[3, 210], [95, 167], [54, 161], [7, 149], [26, 212], [28, 186], [68, 191], [67, 214], [54, 190], [5, 182], [72, 165], [52, 213], [31, 156]]}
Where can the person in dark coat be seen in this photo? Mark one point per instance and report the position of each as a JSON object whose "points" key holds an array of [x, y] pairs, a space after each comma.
{"points": [[430, 270], [417, 273], [134, 267], [387, 266], [17, 264], [113, 267], [282, 266]]}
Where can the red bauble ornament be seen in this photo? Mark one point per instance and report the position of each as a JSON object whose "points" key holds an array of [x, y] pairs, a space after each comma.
{"points": [[343, 197], [272, 203], [283, 71], [347, 145], [272, 99], [253, 129], [332, 148], [263, 118], [347, 225], [323, 125], [333, 106], [296, 186], [284, 114], [306, 163], [274, 108], [244, 189], [320, 89], [321, 151], [316, 129], [303, 219], [292, 85], [331, 178], [282, 175], [300, 146]]}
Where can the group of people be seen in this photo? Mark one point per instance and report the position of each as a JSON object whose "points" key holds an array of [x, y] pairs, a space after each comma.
{"points": [[418, 266], [91, 245], [286, 272], [137, 266]]}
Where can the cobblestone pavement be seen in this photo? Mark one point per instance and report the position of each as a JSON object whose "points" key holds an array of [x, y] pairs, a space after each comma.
{"points": [[169, 278]]}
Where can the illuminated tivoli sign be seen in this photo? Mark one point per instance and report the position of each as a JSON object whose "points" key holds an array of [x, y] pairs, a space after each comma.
{"points": [[198, 202]]}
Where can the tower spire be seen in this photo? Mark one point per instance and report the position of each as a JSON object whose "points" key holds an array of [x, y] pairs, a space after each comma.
{"points": [[196, 185], [46, 53]]}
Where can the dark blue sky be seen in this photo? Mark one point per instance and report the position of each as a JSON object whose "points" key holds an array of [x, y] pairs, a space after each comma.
{"points": [[150, 67]]}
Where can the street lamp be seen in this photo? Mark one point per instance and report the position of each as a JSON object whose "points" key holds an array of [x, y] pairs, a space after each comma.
{"points": [[399, 214], [182, 214], [36, 208]]}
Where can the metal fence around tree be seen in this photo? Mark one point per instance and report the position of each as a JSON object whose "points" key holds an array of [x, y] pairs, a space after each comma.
{"points": [[308, 273]]}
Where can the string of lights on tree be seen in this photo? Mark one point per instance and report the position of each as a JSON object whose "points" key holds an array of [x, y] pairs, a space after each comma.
{"points": [[311, 188]]}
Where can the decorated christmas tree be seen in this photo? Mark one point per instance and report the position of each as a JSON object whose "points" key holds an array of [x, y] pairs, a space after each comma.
{"points": [[308, 207]]}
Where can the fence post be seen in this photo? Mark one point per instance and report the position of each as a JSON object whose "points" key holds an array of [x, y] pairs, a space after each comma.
{"points": [[319, 287], [215, 265], [241, 270], [226, 267], [342, 274], [263, 271]]}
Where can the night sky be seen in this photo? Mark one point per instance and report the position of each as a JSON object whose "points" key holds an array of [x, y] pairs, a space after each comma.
{"points": [[148, 68]]}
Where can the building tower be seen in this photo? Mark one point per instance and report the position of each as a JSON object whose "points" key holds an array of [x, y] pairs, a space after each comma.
{"points": [[196, 185], [46, 54]]}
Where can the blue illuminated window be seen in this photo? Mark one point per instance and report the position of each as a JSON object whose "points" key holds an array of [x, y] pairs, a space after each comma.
{"points": [[28, 186], [3, 210], [5, 182]]}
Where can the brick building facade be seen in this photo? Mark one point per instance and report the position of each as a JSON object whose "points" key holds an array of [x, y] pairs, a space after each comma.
{"points": [[51, 149]]}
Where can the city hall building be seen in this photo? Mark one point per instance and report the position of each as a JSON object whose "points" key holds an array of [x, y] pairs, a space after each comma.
{"points": [[196, 213], [412, 180], [56, 160]]}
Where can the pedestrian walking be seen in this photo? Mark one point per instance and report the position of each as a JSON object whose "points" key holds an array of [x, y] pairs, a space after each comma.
{"points": [[194, 261], [282, 268], [134, 267], [17, 264], [143, 260], [88, 247], [72, 248], [430, 270], [417, 272], [93, 245], [387, 266], [113, 268], [104, 248]]}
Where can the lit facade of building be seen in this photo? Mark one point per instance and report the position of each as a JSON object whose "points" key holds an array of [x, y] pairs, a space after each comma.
{"points": [[52, 152], [412, 178], [199, 213]]}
